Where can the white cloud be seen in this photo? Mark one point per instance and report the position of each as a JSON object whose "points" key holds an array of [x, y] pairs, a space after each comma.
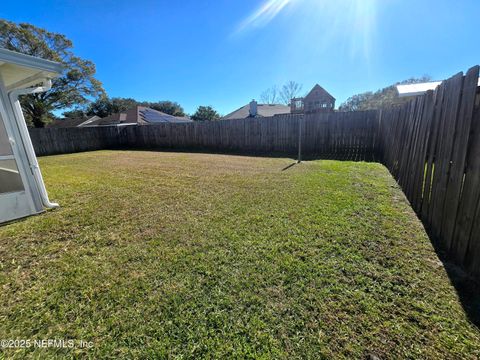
{"points": [[263, 15]]}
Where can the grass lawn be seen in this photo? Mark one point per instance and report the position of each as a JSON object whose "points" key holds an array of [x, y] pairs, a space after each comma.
{"points": [[176, 255]]}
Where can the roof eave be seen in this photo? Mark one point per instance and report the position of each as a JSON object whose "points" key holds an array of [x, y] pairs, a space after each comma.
{"points": [[12, 57]]}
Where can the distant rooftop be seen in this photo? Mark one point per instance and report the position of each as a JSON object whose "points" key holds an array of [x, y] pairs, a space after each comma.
{"points": [[140, 115], [263, 110], [75, 122]]}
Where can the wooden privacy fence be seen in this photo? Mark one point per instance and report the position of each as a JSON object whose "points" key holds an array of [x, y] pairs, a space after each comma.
{"points": [[431, 146], [50, 141], [337, 135], [347, 135]]}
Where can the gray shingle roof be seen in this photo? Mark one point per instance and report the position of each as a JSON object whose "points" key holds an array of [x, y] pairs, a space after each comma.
{"points": [[263, 110], [139, 115], [67, 122]]}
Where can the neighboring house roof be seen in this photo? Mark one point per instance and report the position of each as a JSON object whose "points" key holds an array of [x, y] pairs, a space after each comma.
{"points": [[152, 116], [140, 115], [68, 122], [90, 120], [263, 110], [419, 88], [318, 90]]}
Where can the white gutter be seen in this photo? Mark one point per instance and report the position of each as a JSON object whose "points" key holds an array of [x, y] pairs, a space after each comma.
{"points": [[22, 126]]}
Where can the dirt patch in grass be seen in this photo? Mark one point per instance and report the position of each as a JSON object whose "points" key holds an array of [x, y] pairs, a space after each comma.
{"points": [[213, 256]]}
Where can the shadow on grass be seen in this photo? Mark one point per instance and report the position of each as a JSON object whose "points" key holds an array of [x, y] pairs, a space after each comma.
{"points": [[347, 155], [466, 286], [289, 166]]}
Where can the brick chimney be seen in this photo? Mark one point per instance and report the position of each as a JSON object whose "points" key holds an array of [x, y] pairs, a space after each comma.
{"points": [[253, 108]]}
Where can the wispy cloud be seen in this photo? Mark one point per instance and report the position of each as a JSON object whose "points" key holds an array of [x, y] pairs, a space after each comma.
{"points": [[364, 19], [263, 15]]}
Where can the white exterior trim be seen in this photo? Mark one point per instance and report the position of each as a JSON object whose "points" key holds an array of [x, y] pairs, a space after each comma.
{"points": [[22, 72], [419, 88], [12, 57]]}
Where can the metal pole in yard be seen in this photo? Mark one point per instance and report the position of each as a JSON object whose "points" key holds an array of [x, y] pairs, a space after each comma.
{"points": [[300, 130]]}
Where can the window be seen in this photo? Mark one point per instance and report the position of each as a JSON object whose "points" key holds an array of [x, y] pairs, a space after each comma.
{"points": [[10, 180], [298, 104], [5, 148]]}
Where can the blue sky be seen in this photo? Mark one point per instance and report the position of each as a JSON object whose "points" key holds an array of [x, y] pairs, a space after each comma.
{"points": [[224, 52]]}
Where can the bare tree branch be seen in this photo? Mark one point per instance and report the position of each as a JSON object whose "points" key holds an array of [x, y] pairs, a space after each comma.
{"points": [[289, 91], [283, 95], [270, 96]]}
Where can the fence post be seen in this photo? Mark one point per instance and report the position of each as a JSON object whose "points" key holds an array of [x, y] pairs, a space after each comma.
{"points": [[300, 131]]}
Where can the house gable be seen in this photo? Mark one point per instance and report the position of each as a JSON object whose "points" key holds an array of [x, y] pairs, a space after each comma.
{"points": [[317, 100], [319, 93]]}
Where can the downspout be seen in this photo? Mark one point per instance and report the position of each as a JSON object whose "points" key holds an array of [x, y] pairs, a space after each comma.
{"points": [[22, 126]]}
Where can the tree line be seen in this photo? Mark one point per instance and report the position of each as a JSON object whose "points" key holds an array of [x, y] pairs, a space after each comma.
{"points": [[106, 106], [382, 98]]}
